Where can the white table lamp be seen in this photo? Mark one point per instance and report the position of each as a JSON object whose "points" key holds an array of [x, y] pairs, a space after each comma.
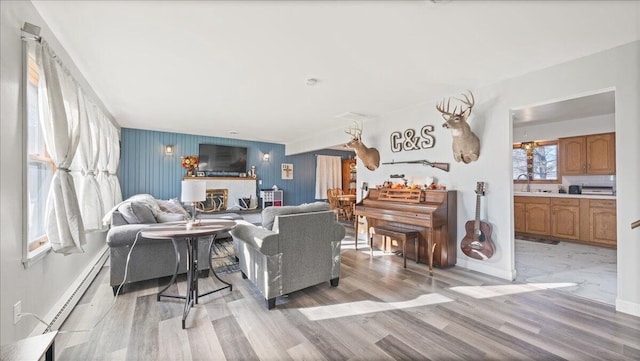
{"points": [[194, 191]]}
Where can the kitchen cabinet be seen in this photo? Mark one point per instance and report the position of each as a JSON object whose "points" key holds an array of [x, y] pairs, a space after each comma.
{"points": [[349, 176], [537, 219], [565, 218], [601, 154], [537, 215], [580, 219], [589, 154], [518, 216], [600, 223], [573, 156]]}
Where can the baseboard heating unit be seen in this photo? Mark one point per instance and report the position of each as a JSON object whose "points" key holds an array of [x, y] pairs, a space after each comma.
{"points": [[61, 310]]}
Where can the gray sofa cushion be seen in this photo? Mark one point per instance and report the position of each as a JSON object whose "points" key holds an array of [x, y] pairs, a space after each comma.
{"points": [[230, 216], [136, 213], [269, 214], [169, 217]]}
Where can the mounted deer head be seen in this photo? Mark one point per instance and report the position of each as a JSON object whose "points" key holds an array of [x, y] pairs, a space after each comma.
{"points": [[466, 145], [369, 156]]}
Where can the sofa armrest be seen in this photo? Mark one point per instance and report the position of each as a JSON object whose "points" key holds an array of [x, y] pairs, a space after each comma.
{"points": [[262, 239], [121, 236]]}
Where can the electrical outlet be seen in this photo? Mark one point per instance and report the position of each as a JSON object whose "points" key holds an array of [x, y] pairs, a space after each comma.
{"points": [[17, 309], [259, 181]]}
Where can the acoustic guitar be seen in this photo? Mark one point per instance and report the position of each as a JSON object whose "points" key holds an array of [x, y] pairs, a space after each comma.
{"points": [[477, 242]]}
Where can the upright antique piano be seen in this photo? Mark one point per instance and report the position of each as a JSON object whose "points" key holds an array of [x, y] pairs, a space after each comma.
{"points": [[431, 212]]}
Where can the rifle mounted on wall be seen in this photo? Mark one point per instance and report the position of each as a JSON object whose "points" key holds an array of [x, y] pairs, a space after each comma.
{"points": [[442, 166]]}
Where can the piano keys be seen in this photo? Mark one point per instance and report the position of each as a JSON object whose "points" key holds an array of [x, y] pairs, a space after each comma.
{"points": [[431, 212]]}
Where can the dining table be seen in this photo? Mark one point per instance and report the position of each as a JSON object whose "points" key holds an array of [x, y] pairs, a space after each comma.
{"points": [[346, 203]]}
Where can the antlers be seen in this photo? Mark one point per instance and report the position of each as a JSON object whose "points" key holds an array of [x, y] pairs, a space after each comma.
{"points": [[445, 111], [355, 132]]}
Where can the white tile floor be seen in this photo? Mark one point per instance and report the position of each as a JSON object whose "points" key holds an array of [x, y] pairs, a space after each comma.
{"points": [[592, 269]]}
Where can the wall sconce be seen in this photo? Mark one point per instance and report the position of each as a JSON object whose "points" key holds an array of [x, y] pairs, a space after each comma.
{"points": [[168, 149], [266, 157]]}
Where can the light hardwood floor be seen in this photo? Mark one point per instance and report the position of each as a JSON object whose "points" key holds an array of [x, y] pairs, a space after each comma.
{"points": [[380, 311]]}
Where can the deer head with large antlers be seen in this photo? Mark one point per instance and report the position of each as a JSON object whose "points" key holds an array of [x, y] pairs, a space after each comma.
{"points": [[369, 156], [466, 145]]}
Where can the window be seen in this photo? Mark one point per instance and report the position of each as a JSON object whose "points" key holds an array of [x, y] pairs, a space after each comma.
{"points": [[537, 161], [40, 167]]}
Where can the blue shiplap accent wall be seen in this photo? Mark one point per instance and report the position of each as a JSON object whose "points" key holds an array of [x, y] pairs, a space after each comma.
{"points": [[303, 185], [144, 167]]}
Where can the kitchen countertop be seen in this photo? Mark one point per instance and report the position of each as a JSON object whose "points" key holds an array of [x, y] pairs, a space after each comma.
{"points": [[561, 195]]}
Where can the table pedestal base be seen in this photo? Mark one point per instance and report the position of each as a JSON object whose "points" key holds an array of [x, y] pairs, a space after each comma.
{"points": [[193, 294]]}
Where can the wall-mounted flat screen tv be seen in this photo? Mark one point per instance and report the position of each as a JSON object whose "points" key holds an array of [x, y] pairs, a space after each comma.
{"points": [[222, 158]]}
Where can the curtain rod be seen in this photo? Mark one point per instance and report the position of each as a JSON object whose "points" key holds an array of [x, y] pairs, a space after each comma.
{"points": [[32, 30]]}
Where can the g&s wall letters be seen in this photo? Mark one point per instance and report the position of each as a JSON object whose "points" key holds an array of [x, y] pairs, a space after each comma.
{"points": [[409, 140]]}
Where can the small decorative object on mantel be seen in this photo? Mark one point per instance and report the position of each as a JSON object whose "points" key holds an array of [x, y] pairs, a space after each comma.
{"points": [[466, 145], [442, 166], [190, 163], [369, 156]]}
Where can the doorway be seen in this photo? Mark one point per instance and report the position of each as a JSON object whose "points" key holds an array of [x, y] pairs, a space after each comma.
{"points": [[541, 212]]}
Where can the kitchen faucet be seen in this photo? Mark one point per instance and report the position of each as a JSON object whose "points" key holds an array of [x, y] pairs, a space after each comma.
{"points": [[528, 181]]}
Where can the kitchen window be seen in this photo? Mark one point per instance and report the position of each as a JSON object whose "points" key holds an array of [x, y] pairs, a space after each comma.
{"points": [[537, 161]]}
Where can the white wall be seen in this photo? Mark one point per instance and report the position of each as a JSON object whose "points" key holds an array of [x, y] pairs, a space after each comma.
{"points": [[42, 285], [567, 128], [616, 68]]}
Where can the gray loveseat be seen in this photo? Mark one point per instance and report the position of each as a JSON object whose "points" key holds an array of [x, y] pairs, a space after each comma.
{"points": [[297, 247], [150, 258]]}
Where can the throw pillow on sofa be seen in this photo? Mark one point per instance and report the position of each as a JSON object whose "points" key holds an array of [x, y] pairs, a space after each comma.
{"points": [[136, 213], [172, 206], [146, 199], [163, 217]]}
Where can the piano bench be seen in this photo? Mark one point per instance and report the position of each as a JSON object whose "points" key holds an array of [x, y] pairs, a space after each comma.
{"points": [[400, 234]]}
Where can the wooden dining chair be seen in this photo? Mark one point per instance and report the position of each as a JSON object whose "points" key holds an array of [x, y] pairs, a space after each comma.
{"points": [[334, 203]]}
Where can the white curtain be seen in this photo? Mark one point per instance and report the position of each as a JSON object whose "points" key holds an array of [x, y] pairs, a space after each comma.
{"points": [[112, 167], [328, 174], [103, 163], [84, 167], [60, 112]]}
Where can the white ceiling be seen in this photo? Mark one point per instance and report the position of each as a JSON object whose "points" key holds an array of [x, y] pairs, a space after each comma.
{"points": [[574, 108], [210, 67]]}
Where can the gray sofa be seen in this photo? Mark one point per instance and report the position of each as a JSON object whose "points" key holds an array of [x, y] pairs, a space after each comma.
{"points": [[296, 247], [151, 258]]}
